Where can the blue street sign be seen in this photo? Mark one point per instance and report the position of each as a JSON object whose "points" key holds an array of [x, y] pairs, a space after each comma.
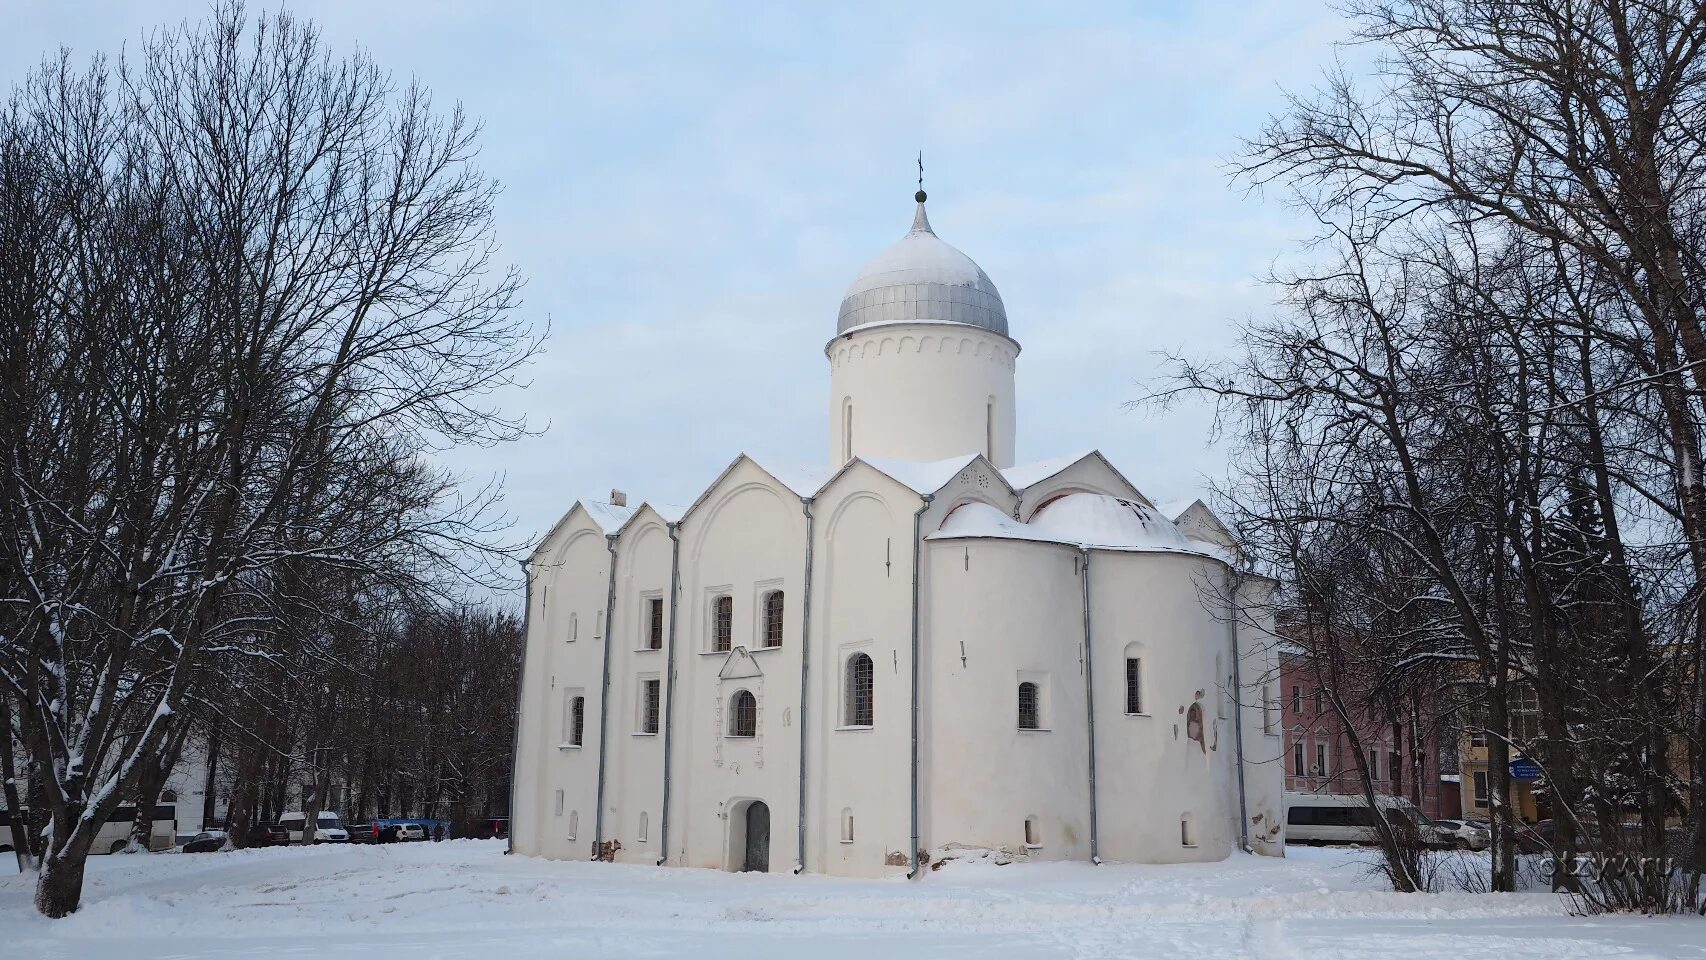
{"points": [[1523, 768]]}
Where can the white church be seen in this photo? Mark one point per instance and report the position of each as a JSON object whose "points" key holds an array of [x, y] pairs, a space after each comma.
{"points": [[917, 646]]}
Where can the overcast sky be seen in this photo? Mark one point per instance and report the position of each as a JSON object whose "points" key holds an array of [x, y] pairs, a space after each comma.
{"points": [[690, 187]]}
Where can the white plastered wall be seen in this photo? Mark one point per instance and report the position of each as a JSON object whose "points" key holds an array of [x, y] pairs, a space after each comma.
{"points": [[564, 653], [746, 536], [863, 603], [1000, 613], [634, 770], [1150, 773], [1264, 771], [921, 391]]}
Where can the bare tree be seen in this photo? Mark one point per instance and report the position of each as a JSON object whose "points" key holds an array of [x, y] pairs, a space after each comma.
{"points": [[243, 272]]}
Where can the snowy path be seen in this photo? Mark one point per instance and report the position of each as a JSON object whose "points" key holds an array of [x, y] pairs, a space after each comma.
{"points": [[465, 899]]}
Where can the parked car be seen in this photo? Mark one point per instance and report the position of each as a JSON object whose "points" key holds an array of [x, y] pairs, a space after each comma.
{"points": [[1534, 837], [207, 841], [267, 835], [1465, 835], [392, 830], [328, 828], [496, 828], [1347, 818]]}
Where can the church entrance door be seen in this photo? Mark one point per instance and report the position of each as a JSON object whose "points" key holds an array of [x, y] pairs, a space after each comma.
{"points": [[757, 837]]}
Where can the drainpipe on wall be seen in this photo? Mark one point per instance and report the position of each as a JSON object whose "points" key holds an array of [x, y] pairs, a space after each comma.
{"points": [[1232, 610], [604, 698], [917, 550], [805, 677], [1090, 709], [520, 691], [669, 684]]}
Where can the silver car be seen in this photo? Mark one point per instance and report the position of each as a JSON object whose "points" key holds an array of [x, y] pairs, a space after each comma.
{"points": [[1464, 835]]}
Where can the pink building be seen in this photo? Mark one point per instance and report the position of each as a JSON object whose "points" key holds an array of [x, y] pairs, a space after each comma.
{"points": [[1317, 751]]}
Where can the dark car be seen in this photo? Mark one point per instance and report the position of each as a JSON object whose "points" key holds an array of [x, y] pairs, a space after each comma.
{"points": [[207, 841], [496, 828], [1534, 837], [268, 835]]}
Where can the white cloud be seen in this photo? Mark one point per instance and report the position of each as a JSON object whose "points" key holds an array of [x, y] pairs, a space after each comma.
{"points": [[690, 186]]}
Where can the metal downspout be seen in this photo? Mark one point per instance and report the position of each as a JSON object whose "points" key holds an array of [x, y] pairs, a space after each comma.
{"points": [[604, 698], [1090, 709], [917, 550], [520, 691], [805, 677], [1232, 583], [669, 685]]}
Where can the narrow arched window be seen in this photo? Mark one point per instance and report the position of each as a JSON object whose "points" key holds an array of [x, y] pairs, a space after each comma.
{"points": [[773, 618], [722, 623], [1134, 679], [743, 714], [846, 429], [860, 675], [1028, 707]]}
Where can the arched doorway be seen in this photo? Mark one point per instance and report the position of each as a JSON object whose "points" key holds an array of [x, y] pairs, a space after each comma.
{"points": [[757, 855]]}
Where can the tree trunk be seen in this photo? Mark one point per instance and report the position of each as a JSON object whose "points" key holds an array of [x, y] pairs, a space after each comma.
{"points": [[9, 783], [59, 885], [209, 788]]}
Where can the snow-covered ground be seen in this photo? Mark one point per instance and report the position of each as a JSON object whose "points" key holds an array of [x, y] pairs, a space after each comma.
{"points": [[466, 899]]}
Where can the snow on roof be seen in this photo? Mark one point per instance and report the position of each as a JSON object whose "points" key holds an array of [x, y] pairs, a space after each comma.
{"points": [[1084, 520], [982, 520], [1022, 475], [805, 479], [1098, 520], [921, 476], [668, 512], [608, 516]]}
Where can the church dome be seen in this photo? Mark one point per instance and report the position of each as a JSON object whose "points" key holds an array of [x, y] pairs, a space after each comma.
{"points": [[922, 279]]}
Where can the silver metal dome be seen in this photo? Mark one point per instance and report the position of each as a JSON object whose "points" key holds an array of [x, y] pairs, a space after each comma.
{"points": [[922, 278]]}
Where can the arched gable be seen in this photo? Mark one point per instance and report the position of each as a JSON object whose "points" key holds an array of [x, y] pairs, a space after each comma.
{"points": [[703, 522], [1089, 474]]}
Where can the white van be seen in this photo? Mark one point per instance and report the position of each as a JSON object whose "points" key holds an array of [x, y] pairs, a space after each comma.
{"points": [[1347, 818], [328, 828]]}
